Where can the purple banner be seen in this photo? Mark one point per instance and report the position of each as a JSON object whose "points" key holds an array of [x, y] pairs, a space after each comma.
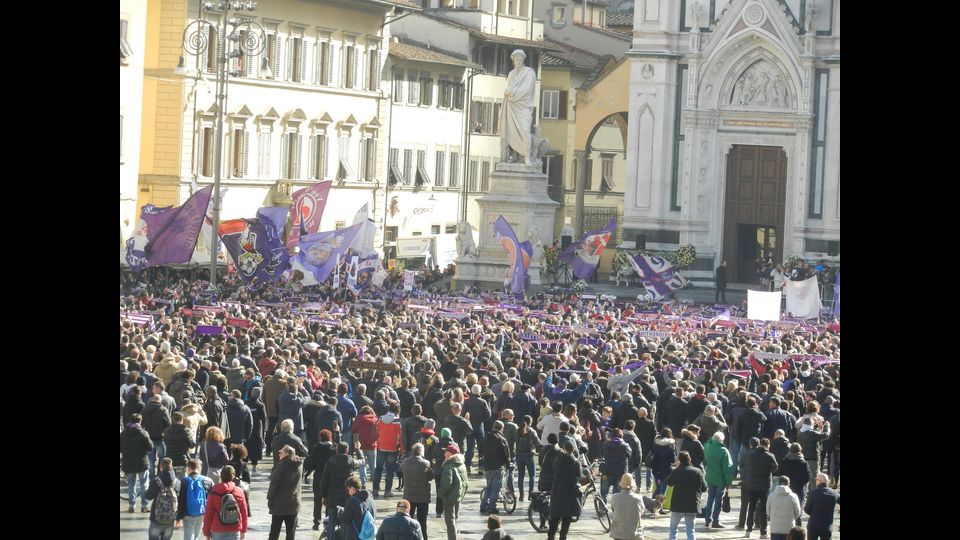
{"points": [[584, 255], [209, 330]]}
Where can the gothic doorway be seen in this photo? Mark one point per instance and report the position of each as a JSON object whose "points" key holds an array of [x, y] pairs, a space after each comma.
{"points": [[756, 191]]}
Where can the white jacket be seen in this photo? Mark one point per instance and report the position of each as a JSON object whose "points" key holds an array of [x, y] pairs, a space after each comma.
{"points": [[783, 508]]}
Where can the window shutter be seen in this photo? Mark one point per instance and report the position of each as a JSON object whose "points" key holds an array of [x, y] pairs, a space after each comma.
{"points": [[325, 148], [372, 157], [276, 59], [284, 156], [343, 66], [312, 158], [296, 163], [317, 48], [303, 61], [356, 67], [246, 152], [200, 152], [289, 76], [562, 106], [331, 56], [363, 159], [376, 68]]}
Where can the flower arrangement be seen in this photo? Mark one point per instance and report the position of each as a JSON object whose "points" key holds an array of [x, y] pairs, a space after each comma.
{"points": [[550, 260], [686, 255], [579, 285]]}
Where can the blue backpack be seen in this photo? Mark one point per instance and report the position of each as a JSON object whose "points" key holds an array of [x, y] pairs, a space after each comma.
{"points": [[196, 496], [368, 530]]}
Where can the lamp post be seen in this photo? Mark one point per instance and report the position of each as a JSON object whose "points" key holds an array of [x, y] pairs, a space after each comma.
{"points": [[245, 37]]}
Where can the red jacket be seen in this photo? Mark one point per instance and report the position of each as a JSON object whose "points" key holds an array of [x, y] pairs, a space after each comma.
{"points": [[365, 428], [267, 366], [211, 518], [389, 436]]}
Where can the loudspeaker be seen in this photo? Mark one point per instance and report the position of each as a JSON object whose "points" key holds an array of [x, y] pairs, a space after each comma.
{"points": [[641, 241], [565, 241], [833, 248]]}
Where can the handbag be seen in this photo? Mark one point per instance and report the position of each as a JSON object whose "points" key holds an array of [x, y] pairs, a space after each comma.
{"points": [[648, 461], [725, 503], [668, 496]]}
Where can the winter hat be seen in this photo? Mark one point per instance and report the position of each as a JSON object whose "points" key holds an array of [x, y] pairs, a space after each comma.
{"points": [[453, 448], [430, 424], [191, 352], [445, 432]]}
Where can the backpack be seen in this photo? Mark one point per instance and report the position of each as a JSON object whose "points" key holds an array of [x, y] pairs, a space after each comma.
{"points": [[196, 496], [165, 506], [229, 509], [523, 444], [368, 530]]}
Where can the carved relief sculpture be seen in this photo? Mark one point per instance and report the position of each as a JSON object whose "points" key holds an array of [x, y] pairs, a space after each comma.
{"points": [[761, 85]]}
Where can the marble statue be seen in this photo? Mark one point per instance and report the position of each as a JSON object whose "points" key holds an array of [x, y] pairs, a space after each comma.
{"points": [[516, 116], [465, 244]]}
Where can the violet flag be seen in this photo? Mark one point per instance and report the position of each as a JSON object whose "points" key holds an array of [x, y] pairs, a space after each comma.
{"points": [[306, 210], [659, 277], [320, 251], [584, 256], [255, 245], [520, 254], [172, 232]]}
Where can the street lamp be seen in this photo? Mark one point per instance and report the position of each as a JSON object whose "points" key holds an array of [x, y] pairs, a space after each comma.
{"points": [[245, 37]]}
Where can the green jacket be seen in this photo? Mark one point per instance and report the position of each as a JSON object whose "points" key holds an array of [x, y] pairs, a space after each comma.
{"points": [[716, 460], [453, 479]]}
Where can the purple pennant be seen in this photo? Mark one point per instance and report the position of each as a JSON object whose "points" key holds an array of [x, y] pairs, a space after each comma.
{"points": [[173, 232]]}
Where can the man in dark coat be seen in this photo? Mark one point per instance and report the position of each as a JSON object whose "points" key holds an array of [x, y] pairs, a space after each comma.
{"points": [[750, 423], [328, 418], [316, 461], [479, 411], [400, 526], [287, 438], [283, 495], [239, 418], [412, 424], [756, 484], [460, 428], [777, 418], [721, 283], [688, 484], [616, 461], [330, 486], [820, 506], [134, 445], [216, 411], [290, 405], [797, 470], [178, 441], [156, 419], [675, 412], [646, 431], [565, 493], [417, 477], [497, 457]]}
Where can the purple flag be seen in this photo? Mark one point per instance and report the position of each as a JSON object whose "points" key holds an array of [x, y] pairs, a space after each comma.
{"points": [[172, 232], [658, 276], [307, 208], [836, 297], [319, 252], [256, 247], [584, 256], [519, 253]]}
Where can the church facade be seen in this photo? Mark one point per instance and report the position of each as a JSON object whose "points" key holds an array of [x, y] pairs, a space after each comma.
{"points": [[734, 131]]}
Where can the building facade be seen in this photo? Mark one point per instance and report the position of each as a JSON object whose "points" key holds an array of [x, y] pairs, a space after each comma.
{"points": [[734, 130], [317, 112], [133, 26]]}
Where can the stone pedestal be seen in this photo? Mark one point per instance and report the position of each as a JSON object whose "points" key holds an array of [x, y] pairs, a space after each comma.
{"points": [[519, 193]]}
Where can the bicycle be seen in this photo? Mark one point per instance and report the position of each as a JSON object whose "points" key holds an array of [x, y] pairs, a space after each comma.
{"points": [[538, 513], [507, 498]]}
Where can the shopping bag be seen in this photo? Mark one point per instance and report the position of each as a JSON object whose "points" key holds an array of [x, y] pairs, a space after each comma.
{"points": [[667, 497]]}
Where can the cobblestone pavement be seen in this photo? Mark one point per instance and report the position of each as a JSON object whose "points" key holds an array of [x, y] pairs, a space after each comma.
{"points": [[472, 523]]}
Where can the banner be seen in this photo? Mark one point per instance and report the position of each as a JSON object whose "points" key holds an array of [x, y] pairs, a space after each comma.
{"points": [[659, 277], [763, 306], [408, 279], [167, 235], [519, 254], [803, 298], [353, 262], [306, 211], [256, 246], [241, 323], [320, 253], [366, 267], [209, 330], [651, 334], [836, 297], [584, 255]]}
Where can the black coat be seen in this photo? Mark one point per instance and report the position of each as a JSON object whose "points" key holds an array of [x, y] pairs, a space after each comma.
{"points": [[797, 470], [749, 424], [283, 495], [636, 451], [760, 470], [131, 406], [695, 448], [478, 408], [675, 415], [460, 429], [616, 459], [407, 400], [411, 431], [331, 482], [317, 460], [353, 510], [399, 527], [326, 418], [135, 443], [156, 419], [695, 407], [178, 441], [646, 431], [524, 404], [688, 483], [240, 419], [496, 451], [547, 460], [820, 505], [778, 419], [565, 493], [282, 439], [216, 412], [625, 411], [779, 448], [255, 443]]}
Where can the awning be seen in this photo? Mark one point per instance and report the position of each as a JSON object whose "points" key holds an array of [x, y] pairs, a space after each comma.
{"points": [[395, 176], [344, 171], [422, 177], [408, 248]]}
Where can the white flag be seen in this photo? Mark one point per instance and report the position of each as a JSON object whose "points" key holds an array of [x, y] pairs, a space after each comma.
{"points": [[363, 241], [803, 298], [764, 306]]}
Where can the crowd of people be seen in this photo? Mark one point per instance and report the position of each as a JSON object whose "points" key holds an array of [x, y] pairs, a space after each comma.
{"points": [[414, 396]]}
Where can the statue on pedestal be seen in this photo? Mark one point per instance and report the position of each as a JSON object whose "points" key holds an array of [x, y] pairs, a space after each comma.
{"points": [[465, 244], [516, 117]]}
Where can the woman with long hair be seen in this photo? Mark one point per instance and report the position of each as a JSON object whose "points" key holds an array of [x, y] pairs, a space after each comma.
{"points": [[527, 444], [664, 456], [255, 443], [213, 453]]}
